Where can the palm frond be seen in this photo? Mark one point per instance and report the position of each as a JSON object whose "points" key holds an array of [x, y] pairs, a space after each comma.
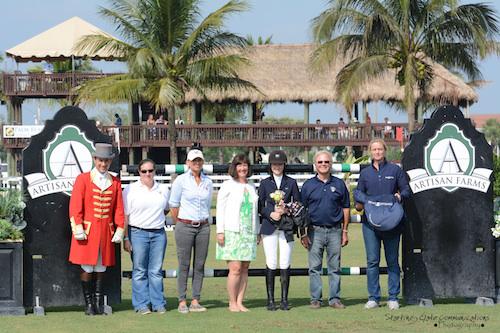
{"points": [[345, 46], [164, 93], [357, 72], [92, 44], [212, 24], [114, 89]]}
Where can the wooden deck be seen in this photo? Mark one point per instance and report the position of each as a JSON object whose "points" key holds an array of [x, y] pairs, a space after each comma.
{"points": [[256, 135], [57, 85]]}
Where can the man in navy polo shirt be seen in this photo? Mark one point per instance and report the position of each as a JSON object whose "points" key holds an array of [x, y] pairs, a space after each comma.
{"points": [[327, 200]]}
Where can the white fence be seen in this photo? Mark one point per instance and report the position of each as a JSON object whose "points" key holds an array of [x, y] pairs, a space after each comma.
{"points": [[16, 182], [256, 179]]}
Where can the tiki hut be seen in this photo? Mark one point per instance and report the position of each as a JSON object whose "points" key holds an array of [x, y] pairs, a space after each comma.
{"points": [[282, 74]]}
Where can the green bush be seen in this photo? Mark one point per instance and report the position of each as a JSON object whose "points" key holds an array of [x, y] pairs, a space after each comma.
{"points": [[8, 231], [496, 173], [11, 214]]}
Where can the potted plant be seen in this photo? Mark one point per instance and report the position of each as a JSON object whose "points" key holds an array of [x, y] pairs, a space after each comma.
{"points": [[11, 252]]}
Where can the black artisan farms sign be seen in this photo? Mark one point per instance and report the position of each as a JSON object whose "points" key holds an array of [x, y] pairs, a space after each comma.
{"points": [[448, 248]]}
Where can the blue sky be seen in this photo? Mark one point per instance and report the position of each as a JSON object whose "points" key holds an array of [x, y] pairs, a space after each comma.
{"points": [[287, 21]]}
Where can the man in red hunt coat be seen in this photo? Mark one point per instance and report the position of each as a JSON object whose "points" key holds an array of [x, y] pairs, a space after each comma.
{"points": [[97, 218]]}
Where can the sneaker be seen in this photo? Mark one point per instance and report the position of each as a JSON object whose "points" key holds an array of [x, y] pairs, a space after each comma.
{"points": [[197, 308], [315, 305], [182, 308], [144, 311], [161, 310], [337, 305], [393, 305], [371, 305]]}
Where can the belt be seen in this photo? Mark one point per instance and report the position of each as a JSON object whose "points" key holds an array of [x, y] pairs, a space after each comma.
{"points": [[195, 224], [144, 229], [327, 226]]}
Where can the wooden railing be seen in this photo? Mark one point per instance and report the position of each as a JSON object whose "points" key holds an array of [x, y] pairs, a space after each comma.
{"points": [[45, 85], [256, 135]]}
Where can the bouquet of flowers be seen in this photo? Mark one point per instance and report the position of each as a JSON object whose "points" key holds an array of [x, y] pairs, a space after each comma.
{"points": [[277, 196]]}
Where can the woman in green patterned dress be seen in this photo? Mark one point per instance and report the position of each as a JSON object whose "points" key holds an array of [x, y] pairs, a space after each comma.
{"points": [[237, 229]]}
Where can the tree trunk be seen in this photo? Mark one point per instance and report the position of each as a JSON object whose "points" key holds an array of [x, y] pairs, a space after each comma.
{"points": [[221, 155], [172, 134], [410, 109]]}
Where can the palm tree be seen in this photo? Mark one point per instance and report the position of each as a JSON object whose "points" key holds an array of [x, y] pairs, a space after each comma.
{"points": [[405, 36], [170, 50]]}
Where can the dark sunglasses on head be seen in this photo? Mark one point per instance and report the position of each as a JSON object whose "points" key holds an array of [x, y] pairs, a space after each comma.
{"points": [[148, 171], [323, 162]]}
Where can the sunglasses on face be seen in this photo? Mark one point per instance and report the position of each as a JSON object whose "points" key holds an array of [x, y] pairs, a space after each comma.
{"points": [[322, 162], [147, 171]]}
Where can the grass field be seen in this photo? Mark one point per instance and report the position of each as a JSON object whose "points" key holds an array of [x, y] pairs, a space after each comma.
{"points": [[443, 317]]}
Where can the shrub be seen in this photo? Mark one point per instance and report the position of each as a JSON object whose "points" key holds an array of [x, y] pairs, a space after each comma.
{"points": [[11, 214]]}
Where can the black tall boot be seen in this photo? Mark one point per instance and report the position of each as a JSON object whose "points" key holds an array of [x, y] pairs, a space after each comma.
{"points": [[285, 284], [98, 297], [270, 274], [87, 296]]}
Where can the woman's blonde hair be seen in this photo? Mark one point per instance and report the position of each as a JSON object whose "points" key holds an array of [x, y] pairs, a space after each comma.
{"points": [[377, 140]]}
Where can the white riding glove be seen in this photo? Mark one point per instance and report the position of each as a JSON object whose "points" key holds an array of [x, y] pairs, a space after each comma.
{"points": [[79, 233], [118, 236]]}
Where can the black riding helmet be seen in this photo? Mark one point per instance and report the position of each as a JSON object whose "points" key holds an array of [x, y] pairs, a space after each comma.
{"points": [[277, 157]]}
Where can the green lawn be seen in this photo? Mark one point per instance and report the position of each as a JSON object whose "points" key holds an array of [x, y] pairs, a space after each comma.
{"points": [[299, 319]]}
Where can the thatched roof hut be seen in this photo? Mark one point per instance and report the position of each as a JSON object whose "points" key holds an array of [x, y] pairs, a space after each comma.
{"points": [[282, 74]]}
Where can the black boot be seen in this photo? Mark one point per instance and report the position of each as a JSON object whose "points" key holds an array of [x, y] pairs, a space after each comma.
{"points": [[98, 297], [87, 296], [285, 284], [270, 274]]}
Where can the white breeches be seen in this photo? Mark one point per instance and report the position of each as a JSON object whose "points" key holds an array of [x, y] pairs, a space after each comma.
{"points": [[98, 268], [271, 244]]}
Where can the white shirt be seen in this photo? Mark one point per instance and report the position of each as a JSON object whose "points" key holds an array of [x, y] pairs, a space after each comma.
{"points": [[194, 200], [277, 180], [101, 180], [145, 207]]}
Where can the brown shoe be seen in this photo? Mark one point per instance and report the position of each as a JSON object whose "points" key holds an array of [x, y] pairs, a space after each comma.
{"points": [[337, 305], [315, 305]]}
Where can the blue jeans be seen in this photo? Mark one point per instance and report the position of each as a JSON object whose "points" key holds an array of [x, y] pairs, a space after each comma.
{"points": [[148, 251], [391, 248], [330, 239]]}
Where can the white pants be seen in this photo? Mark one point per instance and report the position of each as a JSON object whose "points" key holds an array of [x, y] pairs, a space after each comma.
{"points": [[98, 268], [270, 243]]}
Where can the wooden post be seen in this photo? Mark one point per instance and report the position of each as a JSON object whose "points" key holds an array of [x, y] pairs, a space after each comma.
{"points": [[306, 131], [197, 113], [133, 114], [356, 111]]}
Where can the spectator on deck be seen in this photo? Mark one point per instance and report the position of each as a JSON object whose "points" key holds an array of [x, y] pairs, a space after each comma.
{"points": [[118, 120]]}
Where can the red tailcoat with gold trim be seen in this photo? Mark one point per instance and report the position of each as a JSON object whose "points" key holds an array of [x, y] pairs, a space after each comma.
{"points": [[96, 210]]}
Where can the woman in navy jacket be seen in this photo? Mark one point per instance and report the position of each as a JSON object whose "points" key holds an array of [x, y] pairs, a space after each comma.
{"points": [[271, 236], [381, 178]]}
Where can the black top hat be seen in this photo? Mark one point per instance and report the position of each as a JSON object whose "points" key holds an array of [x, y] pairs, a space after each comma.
{"points": [[103, 150], [277, 157]]}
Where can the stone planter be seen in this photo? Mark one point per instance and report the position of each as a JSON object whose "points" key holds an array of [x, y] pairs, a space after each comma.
{"points": [[11, 268]]}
